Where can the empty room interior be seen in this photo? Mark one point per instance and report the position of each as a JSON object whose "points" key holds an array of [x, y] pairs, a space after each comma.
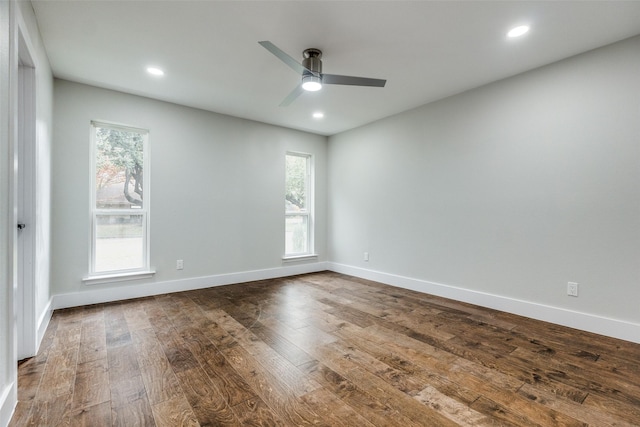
{"points": [[327, 213]]}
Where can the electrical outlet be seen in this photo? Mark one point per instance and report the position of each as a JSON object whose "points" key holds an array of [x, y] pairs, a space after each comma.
{"points": [[366, 256], [572, 289], [179, 264]]}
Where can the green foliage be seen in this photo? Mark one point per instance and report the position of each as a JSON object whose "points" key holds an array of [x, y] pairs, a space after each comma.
{"points": [[120, 158], [296, 171]]}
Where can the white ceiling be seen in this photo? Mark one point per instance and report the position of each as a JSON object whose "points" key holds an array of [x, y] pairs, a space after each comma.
{"points": [[209, 50]]}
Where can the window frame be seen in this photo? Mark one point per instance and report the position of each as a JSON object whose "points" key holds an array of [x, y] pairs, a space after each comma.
{"points": [[308, 212], [127, 273]]}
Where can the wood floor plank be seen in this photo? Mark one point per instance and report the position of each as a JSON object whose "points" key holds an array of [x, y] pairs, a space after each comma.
{"points": [[159, 379], [138, 413], [29, 378], [123, 362], [161, 385], [588, 414], [451, 408], [587, 377], [284, 347], [136, 317], [269, 388], [255, 413], [21, 414], [96, 415], [413, 412], [611, 405], [175, 412], [127, 390], [208, 404], [270, 359], [321, 349], [374, 411], [117, 330], [333, 410], [89, 387], [59, 374], [233, 388], [93, 343], [49, 412]]}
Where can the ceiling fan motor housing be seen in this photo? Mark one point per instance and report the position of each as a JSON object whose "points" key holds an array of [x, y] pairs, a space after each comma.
{"points": [[312, 60]]}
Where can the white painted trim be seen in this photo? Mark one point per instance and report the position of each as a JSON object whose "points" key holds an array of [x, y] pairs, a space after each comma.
{"points": [[299, 258], [8, 400], [43, 323], [118, 277], [615, 328], [103, 294]]}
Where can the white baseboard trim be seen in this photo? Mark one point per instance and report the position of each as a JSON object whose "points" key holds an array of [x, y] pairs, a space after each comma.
{"points": [[108, 294], [8, 401], [43, 322], [615, 328]]}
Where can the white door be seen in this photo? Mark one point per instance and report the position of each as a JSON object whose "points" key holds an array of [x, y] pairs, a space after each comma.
{"points": [[25, 187]]}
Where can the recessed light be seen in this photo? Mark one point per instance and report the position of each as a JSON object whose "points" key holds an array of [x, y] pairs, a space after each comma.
{"points": [[155, 71], [518, 31], [318, 115]]}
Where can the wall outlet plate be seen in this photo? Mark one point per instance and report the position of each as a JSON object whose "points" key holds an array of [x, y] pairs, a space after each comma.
{"points": [[179, 264], [572, 289]]}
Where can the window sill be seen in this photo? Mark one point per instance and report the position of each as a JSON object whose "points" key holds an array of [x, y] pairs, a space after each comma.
{"points": [[296, 258], [117, 277]]}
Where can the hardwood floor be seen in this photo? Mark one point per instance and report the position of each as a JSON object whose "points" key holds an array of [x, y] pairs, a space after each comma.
{"points": [[321, 349]]}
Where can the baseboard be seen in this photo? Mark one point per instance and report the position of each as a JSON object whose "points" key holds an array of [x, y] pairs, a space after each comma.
{"points": [[43, 323], [108, 294], [8, 401], [584, 321]]}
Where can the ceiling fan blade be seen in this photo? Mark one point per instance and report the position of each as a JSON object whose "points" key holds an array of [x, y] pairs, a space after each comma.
{"points": [[336, 79], [292, 96], [284, 57]]}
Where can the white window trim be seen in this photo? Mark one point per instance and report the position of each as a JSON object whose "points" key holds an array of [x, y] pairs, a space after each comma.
{"points": [[299, 258], [117, 277], [310, 191], [94, 277]]}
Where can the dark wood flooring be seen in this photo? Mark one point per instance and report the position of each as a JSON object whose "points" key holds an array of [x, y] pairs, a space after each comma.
{"points": [[325, 350]]}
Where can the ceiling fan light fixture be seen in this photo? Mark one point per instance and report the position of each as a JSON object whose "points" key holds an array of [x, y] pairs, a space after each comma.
{"points": [[311, 83]]}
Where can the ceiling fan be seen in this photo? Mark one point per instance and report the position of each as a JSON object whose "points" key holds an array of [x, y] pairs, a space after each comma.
{"points": [[311, 71]]}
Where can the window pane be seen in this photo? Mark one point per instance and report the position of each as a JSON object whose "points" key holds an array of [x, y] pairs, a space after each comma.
{"points": [[296, 234], [119, 168], [119, 242], [296, 179]]}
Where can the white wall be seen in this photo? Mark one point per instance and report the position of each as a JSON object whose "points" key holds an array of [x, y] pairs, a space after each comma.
{"points": [[15, 18], [507, 192], [217, 191]]}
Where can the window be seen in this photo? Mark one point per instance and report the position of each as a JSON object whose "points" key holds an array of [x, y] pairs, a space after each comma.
{"points": [[298, 205], [119, 200]]}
